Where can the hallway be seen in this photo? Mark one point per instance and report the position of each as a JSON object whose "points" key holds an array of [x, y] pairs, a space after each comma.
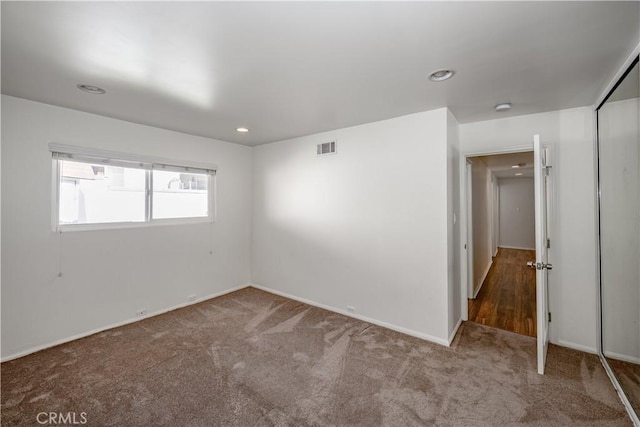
{"points": [[507, 299]]}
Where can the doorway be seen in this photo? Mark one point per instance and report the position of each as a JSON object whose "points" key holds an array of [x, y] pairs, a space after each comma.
{"points": [[501, 240]]}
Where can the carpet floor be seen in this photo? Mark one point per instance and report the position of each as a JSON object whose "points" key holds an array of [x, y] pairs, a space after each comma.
{"points": [[251, 358]]}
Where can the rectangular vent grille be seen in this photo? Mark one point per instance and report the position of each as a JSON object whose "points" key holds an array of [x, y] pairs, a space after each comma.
{"points": [[326, 148]]}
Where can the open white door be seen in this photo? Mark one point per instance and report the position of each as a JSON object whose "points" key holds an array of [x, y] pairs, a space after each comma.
{"points": [[542, 176]]}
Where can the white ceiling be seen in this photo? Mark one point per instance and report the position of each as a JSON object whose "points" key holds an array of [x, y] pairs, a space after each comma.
{"points": [[287, 69]]}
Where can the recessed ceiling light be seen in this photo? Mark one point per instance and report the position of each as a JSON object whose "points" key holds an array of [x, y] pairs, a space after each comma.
{"points": [[440, 75], [519, 174], [505, 106], [519, 165], [242, 130], [95, 90]]}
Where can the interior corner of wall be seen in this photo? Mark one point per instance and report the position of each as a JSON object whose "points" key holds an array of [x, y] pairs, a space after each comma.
{"points": [[451, 116]]}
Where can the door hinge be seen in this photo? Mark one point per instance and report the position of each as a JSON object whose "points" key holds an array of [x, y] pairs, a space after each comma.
{"points": [[546, 170], [548, 243], [549, 317]]}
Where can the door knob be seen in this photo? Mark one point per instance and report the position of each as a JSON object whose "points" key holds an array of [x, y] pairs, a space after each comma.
{"points": [[539, 265]]}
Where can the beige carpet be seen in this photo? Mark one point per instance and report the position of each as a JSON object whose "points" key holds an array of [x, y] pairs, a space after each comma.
{"points": [[254, 359]]}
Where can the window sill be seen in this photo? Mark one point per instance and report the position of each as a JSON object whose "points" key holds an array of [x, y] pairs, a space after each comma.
{"points": [[65, 228]]}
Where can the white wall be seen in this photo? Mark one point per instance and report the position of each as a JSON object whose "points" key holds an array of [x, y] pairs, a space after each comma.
{"points": [[620, 228], [517, 213], [367, 227], [482, 222], [107, 275], [453, 225], [572, 287]]}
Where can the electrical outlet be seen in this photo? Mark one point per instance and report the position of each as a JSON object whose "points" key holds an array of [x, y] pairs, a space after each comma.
{"points": [[192, 298], [141, 312], [351, 309]]}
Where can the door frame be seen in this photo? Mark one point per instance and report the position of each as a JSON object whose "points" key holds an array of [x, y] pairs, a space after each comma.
{"points": [[495, 230], [467, 216], [467, 219]]}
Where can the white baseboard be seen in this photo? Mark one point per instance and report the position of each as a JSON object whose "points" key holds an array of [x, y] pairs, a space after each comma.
{"points": [[118, 324], [396, 328], [517, 247], [455, 331], [484, 276], [574, 346], [622, 357]]}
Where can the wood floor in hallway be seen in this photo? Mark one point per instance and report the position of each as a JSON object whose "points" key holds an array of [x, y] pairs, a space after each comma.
{"points": [[507, 299]]}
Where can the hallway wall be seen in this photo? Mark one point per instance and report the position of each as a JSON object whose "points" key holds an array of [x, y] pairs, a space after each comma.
{"points": [[517, 213], [481, 217]]}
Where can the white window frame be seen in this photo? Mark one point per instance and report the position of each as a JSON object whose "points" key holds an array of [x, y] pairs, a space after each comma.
{"points": [[62, 152]]}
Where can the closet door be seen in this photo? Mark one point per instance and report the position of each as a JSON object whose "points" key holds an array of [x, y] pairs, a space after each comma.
{"points": [[619, 233]]}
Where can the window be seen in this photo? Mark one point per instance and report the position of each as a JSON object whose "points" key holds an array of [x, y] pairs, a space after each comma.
{"points": [[100, 190], [180, 195]]}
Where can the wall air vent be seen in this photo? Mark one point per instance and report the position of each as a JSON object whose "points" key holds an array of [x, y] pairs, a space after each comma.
{"points": [[326, 148]]}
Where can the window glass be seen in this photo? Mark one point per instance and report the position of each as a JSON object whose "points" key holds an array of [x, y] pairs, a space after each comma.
{"points": [[92, 189], [94, 194], [180, 195]]}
